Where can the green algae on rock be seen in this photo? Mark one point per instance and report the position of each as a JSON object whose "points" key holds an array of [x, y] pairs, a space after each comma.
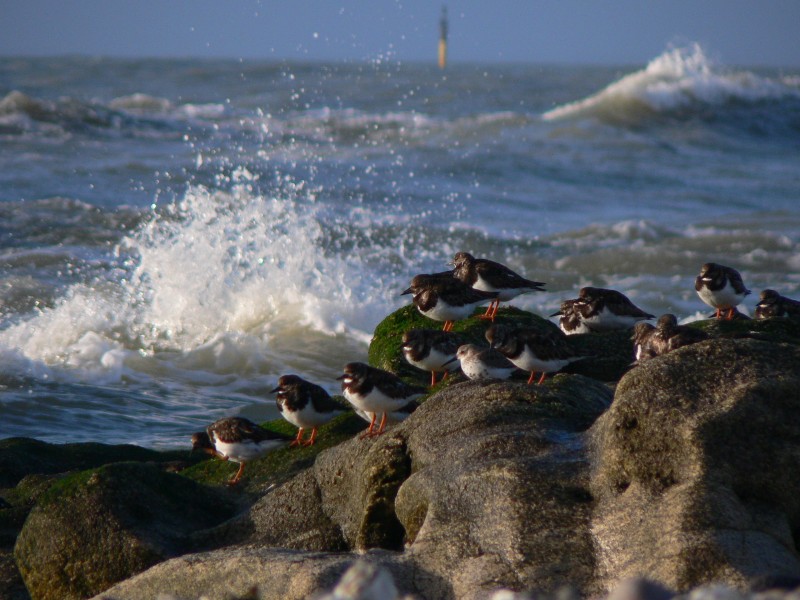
{"points": [[97, 527]]}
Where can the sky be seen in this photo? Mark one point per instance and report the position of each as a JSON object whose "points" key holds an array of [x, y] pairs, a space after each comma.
{"points": [[732, 32]]}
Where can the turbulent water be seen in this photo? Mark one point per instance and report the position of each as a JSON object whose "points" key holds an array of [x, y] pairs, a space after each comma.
{"points": [[175, 234]]}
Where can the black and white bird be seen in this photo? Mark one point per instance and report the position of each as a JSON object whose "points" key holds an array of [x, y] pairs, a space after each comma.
{"points": [[531, 350], [671, 336], [376, 391], [645, 344], [305, 405], [490, 276], [772, 304], [445, 299], [602, 309], [569, 319], [721, 288], [483, 363], [396, 416], [237, 439], [430, 350]]}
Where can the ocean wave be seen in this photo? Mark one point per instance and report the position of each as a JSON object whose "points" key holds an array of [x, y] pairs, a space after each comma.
{"points": [[681, 83], [135, 115]]}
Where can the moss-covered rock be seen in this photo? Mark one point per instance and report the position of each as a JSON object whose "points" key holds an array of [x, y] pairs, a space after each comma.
{"points": [[23, 456], [279, 465], [608, 355], [776, 329], [96, 527]]}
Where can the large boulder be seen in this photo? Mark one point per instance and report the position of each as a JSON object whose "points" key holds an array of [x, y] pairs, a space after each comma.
{"points": [[484, 486], [97, 527], [696, 467]]}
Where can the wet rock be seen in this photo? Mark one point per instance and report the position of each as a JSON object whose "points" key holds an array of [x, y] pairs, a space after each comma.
{"points": [[694, 467], [97, 527]]}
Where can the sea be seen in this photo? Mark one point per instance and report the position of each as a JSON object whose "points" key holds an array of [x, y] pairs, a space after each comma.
{"points": [[175, 234]]}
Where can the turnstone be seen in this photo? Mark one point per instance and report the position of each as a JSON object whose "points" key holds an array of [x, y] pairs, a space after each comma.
{"points": [[570, 321], [445, 299], [645, 346], [429, 350], [483, 363], [397, 416], [237, 439], [603, 310], [721, 288], [376, 391], [670, 335], [489, 276], [304, 404], [531, 350], [772, 304]]}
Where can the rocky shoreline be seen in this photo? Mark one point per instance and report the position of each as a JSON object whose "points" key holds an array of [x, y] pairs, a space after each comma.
{"points": [[681, 471]]}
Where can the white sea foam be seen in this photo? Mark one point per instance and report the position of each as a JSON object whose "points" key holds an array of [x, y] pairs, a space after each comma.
{"points": [[213, 285]]}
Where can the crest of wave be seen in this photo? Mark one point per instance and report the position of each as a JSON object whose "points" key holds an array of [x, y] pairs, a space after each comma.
{"points": [[241, 262], [675, 81]]}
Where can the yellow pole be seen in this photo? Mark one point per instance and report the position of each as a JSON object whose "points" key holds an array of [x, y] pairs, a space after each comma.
{"points": [[443, 39]]}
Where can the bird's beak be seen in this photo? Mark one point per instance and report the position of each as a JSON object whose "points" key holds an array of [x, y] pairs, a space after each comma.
{"points": [[557, 314], [452, 360], [277, 389], [341, 377], [408, 291]]}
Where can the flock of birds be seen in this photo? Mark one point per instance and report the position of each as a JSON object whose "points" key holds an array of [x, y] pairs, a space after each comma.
{"points": [[454, 295]]}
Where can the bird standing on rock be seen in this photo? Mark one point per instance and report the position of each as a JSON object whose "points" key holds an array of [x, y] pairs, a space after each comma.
{"points": [[237, 439], [721, 288], [445, 298], [431, 350], [376, 391], [489, 276], [570, 320], [304, 404], [772, 304], [483, 363], [531, 350], [602, 309]]}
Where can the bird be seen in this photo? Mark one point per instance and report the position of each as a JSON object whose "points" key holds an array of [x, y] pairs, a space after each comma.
{"points": [[721, 288], [445, 299], [570, 321], [671, 336], [237, 439], [645, 345], [396, 416], [429, 350], [772, 304], [490, 276], [602, 309], [483, 363], [376, 391], [304, 404], [532, 350]]}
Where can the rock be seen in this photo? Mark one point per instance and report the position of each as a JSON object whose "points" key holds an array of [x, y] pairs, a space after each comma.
{"points": [[498, 495], [609, 355], [364, 581], [24, 456], [484, 486], [694, 467], [244, 573], [97, 527]]}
